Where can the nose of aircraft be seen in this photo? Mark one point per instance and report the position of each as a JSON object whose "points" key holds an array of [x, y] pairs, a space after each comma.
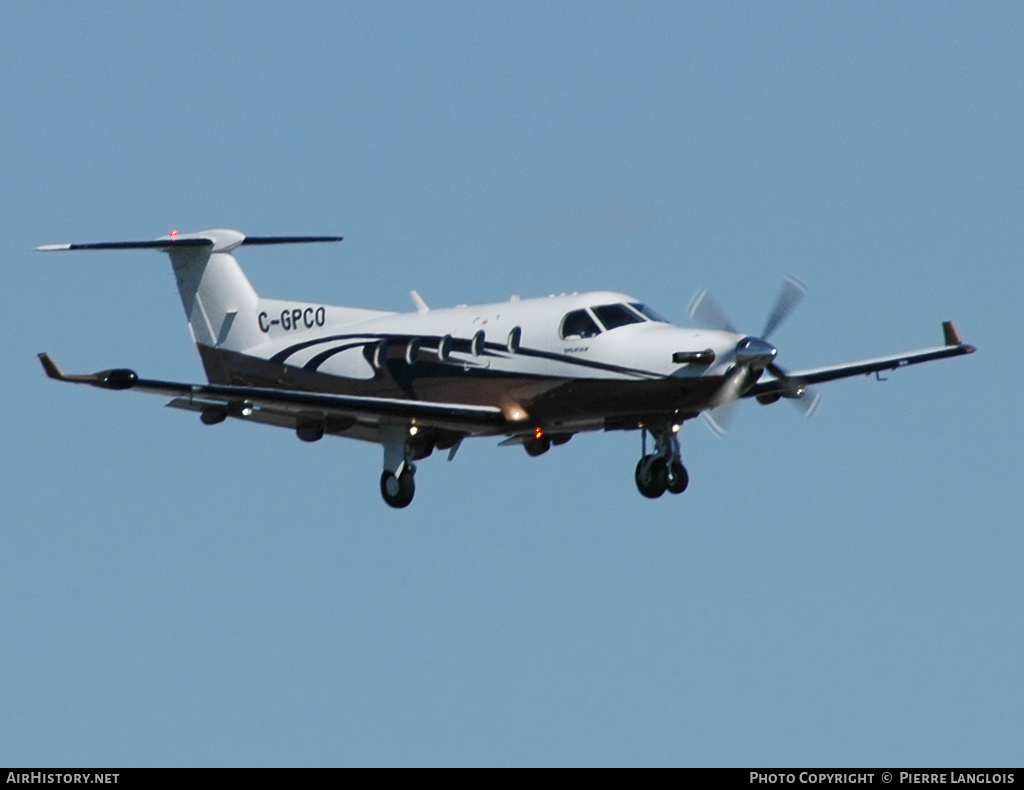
{"points": [[755, 352]]}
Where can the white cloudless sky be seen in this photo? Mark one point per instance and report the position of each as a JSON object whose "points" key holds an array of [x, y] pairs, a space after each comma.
{"points": [[841, 591]]}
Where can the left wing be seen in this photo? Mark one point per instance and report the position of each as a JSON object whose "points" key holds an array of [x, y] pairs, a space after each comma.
{"points": [[954, 347], [287, 407]]}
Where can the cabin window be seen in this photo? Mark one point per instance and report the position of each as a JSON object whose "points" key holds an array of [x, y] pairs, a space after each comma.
{"points": [[579, 325], [647, 312], [615, 315]]}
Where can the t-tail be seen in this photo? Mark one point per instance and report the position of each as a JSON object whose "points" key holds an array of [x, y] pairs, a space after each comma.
{"points": [[220, 303]]}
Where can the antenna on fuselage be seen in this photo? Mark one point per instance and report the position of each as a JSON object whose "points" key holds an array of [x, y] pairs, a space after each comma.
{"points": [[421, 306]]}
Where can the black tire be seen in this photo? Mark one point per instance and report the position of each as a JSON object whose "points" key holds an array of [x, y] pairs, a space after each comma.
{"points": [[652, 476], [212, 415], [397, 492], [678, 478]]}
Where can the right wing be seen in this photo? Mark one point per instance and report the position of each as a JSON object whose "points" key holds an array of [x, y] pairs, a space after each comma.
{"points": [[954, 348]]}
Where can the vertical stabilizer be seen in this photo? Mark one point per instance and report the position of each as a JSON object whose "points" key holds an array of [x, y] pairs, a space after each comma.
{"points": [[219, 301]]}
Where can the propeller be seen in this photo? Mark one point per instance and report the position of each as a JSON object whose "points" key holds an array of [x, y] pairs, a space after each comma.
{"points": [[752, 352], [806, 399], [721, 414], [789, 297], [706, 311]]}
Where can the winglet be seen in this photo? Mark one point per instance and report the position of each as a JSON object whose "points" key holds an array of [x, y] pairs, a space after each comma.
{"points": [[952, 337], [51, 368]]}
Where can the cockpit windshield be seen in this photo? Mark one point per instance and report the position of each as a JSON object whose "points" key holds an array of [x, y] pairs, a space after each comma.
{"points": [[647, 312], [615, 315], [580, 324]]}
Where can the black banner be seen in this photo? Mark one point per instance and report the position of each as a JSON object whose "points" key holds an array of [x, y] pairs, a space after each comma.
{"points": [[759, 777]]}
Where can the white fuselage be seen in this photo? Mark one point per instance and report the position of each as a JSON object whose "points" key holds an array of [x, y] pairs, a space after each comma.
{"points": [[340, 347]]}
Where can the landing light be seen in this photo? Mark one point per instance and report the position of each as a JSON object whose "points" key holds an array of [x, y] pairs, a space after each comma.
{"points": [[538, 433], [413, 430], [675, 428], [247, 410]]}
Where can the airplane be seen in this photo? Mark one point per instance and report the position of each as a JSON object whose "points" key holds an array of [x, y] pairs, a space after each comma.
{"points": [[534, 371]]}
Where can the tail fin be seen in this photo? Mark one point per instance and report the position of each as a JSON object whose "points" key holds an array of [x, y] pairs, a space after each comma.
{"points": [[214, 290]]}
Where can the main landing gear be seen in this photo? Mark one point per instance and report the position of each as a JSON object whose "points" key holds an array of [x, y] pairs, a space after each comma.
{"points": [[404, 444], [397, 483], [398, 490], [661, 470]]}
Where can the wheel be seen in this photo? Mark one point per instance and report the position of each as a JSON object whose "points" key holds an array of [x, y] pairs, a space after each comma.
{"points": [[652, 476], [678, 478], [212, 415], [397, 491]]}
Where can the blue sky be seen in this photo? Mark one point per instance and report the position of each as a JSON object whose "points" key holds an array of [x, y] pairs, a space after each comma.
{"points": [[844, 590]]}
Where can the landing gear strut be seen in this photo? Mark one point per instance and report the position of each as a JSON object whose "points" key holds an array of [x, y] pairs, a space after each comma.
{"points": [[661, 470]]}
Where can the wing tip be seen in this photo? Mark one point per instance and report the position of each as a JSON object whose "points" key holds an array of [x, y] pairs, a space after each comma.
{"points": [[952, 338], [51, 368]]}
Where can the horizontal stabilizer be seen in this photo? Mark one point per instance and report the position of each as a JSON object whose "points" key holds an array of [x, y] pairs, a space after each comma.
{"points": [[214, 240], [289, 239], [156, 244]]}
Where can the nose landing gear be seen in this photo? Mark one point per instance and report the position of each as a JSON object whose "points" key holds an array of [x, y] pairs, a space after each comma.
{"points": [[661, 470], [652, 476], [678, 478]]}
